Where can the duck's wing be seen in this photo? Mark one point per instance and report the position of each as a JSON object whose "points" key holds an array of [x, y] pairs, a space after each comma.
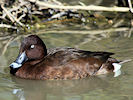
{"points": [[100, 55], [61, 56]]}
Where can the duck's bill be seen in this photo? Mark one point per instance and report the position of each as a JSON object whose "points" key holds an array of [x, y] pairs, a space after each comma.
{"points": [[19, 61]]}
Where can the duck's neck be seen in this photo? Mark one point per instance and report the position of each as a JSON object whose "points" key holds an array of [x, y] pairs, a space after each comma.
{"points": [[33, 62]]}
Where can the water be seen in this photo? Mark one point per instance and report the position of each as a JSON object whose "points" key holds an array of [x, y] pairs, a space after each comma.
{"points": [[104, 87], [88, 37]]}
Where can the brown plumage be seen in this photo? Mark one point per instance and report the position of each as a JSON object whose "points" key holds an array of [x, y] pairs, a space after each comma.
{"points": [[36, 62]]}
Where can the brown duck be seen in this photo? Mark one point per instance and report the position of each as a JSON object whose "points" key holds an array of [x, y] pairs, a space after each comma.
{"points": [[36, 62]]}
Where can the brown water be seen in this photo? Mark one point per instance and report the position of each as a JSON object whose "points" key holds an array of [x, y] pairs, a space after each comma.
{"points": [[89, 37]]}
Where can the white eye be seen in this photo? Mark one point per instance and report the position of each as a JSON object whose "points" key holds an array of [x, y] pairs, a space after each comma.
{"points": [[32, 46]]}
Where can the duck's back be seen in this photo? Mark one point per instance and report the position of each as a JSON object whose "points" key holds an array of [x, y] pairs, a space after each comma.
{"points": [[62, 56]]}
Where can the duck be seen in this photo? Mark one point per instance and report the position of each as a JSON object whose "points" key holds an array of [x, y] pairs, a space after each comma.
{"points": [[37, 62]]}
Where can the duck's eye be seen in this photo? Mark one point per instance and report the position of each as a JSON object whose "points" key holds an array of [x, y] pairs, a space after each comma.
{"points": [[32, 46]]}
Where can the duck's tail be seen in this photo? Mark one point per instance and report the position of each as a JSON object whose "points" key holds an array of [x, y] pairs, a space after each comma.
{"points": [[117, 67]]}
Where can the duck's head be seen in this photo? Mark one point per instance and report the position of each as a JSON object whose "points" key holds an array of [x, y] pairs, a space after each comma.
{"points": [[32, 49]]}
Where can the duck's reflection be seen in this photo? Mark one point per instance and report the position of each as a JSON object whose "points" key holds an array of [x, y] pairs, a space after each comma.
{"points": [[19, 93], [57, 89]]}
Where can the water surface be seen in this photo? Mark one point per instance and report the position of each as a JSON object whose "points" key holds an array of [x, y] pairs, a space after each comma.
{"points": [[104, 87]]}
